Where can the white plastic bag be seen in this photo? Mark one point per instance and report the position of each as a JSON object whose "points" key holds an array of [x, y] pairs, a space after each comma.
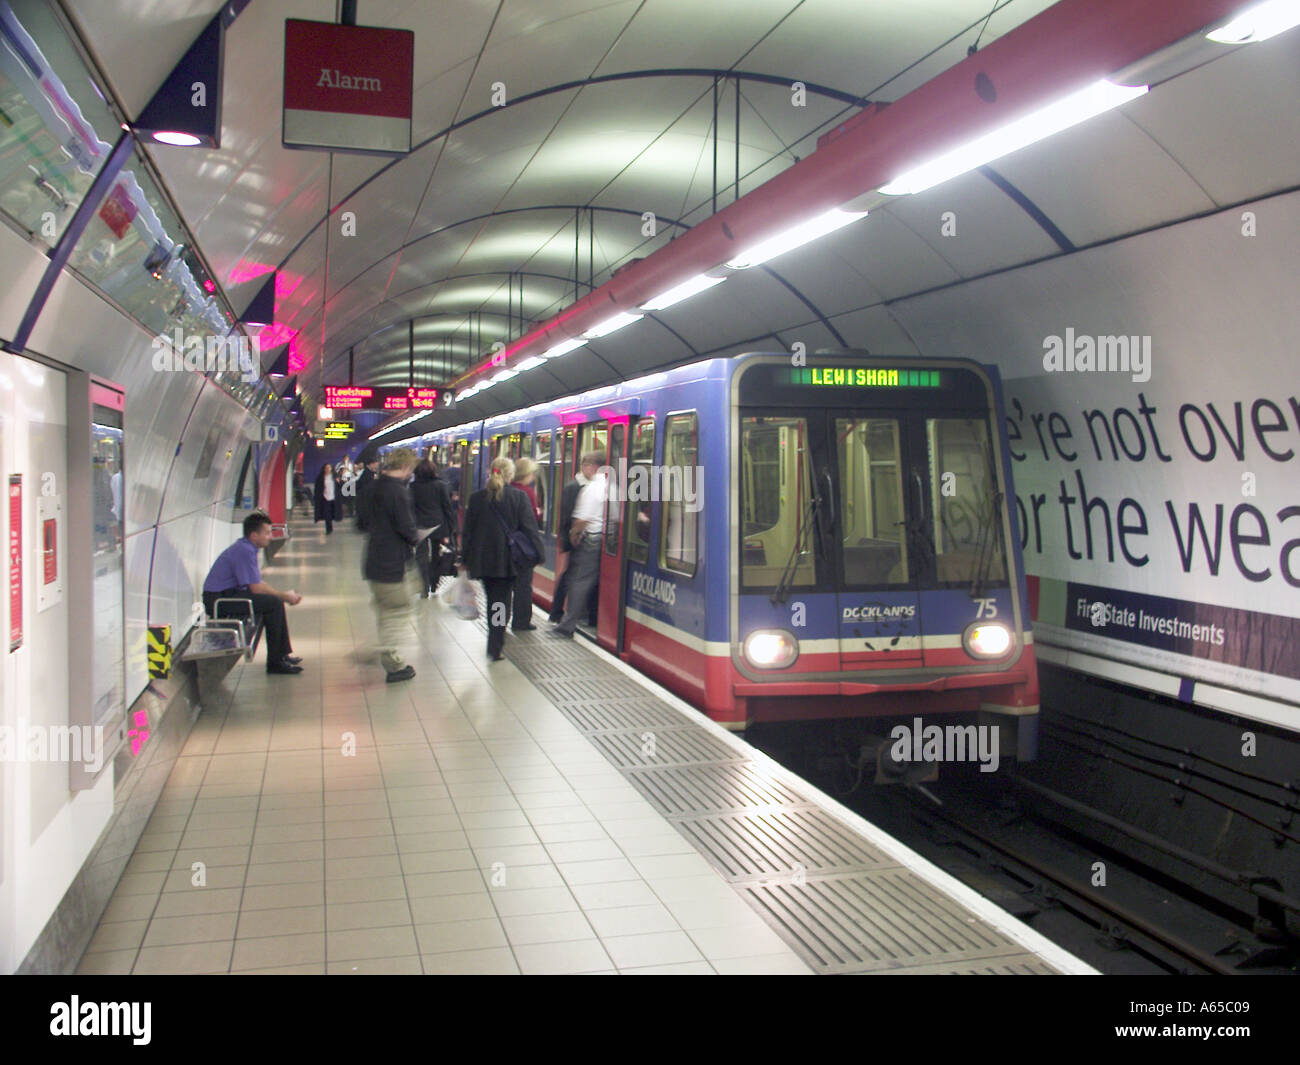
{"points": [[462, 597]]}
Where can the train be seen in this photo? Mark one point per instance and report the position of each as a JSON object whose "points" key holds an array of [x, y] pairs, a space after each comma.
{"points": [[794, 538]]}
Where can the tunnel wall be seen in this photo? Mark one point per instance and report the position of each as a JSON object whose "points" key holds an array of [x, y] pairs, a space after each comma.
{"points": [[185, 442], [1210, 428]]}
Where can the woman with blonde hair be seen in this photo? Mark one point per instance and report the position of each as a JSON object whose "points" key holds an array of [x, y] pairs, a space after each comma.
{"points": [[496, 516]]}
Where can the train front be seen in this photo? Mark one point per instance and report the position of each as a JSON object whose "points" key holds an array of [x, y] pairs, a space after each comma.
{"points": [[876, 573]]}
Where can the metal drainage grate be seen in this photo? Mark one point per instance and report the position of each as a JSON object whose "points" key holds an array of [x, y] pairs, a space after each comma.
{"points": [[656, 748], [623, 714], [774, 842], [874, 921], [678, 791], [1020, 965]]}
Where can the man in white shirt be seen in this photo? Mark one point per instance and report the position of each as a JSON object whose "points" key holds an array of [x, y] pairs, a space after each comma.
{"points": [[584, 535]]}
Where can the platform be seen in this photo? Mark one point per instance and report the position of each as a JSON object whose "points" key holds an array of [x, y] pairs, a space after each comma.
{"points": [[552, 813]]}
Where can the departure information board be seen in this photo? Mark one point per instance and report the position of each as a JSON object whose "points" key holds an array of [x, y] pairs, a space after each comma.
{"points": [[360, 397]]}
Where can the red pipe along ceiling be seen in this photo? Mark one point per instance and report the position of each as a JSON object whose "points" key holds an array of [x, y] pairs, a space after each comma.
{"points": [[1068, 46]]}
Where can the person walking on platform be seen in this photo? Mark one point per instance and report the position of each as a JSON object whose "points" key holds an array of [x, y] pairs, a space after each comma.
{"points": [[391, 524], [435, 519], [369, 459], [326, 498], [584, 535], [236, 575], [493, 514], [568, 497], [525, 475]]}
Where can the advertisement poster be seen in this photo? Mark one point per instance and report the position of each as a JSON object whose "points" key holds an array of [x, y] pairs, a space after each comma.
{"points": [[1155, 443]]}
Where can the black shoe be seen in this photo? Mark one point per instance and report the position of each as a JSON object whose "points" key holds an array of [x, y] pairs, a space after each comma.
{"points": [[562, 634], [405, 673], [293, 660], [284, 667], [496, 657], [523, 628], [555, 619]]}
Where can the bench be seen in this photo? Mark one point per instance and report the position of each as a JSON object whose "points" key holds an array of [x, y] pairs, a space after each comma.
{"points": [[216, 643]]}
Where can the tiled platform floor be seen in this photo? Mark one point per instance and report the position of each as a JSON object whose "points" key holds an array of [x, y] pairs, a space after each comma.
{"points": [[456, 823]]}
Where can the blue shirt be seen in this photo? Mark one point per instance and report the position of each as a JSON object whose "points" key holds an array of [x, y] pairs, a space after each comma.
{"points": [[235, 567]]}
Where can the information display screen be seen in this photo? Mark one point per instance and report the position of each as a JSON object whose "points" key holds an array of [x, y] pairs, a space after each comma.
{"points": [[361, 397], [862, 377]]}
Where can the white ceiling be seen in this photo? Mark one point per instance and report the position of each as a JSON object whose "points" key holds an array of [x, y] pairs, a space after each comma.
{"points": [[1223, 133]]}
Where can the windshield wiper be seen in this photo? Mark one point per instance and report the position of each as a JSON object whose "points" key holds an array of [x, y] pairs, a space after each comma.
{"points": [[792, 563]]}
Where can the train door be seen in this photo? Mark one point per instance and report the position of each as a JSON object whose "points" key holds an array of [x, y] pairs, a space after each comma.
{"points": [[876, 550], [609, 617]]}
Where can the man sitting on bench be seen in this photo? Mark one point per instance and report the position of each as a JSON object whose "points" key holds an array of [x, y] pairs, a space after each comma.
{"points": [[236, 575]]}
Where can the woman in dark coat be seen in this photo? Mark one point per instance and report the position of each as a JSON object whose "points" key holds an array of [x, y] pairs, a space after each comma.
{"points": [[327, 498], [433, 510], [485, 546]]}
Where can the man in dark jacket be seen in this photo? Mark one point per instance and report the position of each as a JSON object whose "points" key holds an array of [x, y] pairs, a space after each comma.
{"points": [[363, 486], [435, 517], [391, 525], [568, 498]]}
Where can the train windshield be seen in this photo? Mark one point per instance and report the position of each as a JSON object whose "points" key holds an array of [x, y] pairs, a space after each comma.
{"points": [[868, 500]]}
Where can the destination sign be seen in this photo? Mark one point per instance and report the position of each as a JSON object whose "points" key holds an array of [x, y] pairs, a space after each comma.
{"points": [[346, 428], [360, 397], [862, 377]]}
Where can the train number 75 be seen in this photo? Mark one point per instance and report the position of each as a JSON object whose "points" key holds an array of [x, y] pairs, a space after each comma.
{"points": [[988, 608]]}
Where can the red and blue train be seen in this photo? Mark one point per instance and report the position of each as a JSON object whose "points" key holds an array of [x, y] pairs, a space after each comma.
{"points": [[788, 539]]}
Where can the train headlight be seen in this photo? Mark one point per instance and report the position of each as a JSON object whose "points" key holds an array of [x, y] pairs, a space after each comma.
{"points": [[986, 639], [770, 649]]}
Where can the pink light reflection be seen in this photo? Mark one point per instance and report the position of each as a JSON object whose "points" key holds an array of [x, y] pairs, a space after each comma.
{"points": [[275, 334], [245, 271]]}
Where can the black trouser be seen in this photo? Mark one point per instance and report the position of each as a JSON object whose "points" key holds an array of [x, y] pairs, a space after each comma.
{"points": [[267, 609], [523, 612], [562, 592], [498, 591]]}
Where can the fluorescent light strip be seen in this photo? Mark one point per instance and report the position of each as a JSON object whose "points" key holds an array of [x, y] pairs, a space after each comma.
{"points": [[529, 363], [794, 237], [1069, 111], [610, 325], [504, 375], [684, 291], [1259, 23], [563, 348]]}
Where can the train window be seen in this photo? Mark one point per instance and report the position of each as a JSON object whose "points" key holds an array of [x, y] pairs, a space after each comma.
{"points": [[872, 526], [542, 483], [525, 445], [613, 501], [775, 479], [564, 465], [968, 539], [638, 510], [594, 436], [680, 492]]}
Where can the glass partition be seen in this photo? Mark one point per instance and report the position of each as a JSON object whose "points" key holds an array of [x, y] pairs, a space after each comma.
{"points": [[108, 655], [56, 131]]}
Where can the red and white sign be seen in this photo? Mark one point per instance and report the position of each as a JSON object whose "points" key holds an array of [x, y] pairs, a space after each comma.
{"points": [[15, 561], [347, 88]]}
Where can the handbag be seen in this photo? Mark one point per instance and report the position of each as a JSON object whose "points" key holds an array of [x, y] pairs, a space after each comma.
{"points": [[522, 552]]}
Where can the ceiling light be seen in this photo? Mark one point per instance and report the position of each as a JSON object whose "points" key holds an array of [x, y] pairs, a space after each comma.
{"points": [[1069, 111], [685, 290], [529, 363], [180, 140], [1259, 23], [504, 375], [609, 325], [563, 348], [794, 237]]}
